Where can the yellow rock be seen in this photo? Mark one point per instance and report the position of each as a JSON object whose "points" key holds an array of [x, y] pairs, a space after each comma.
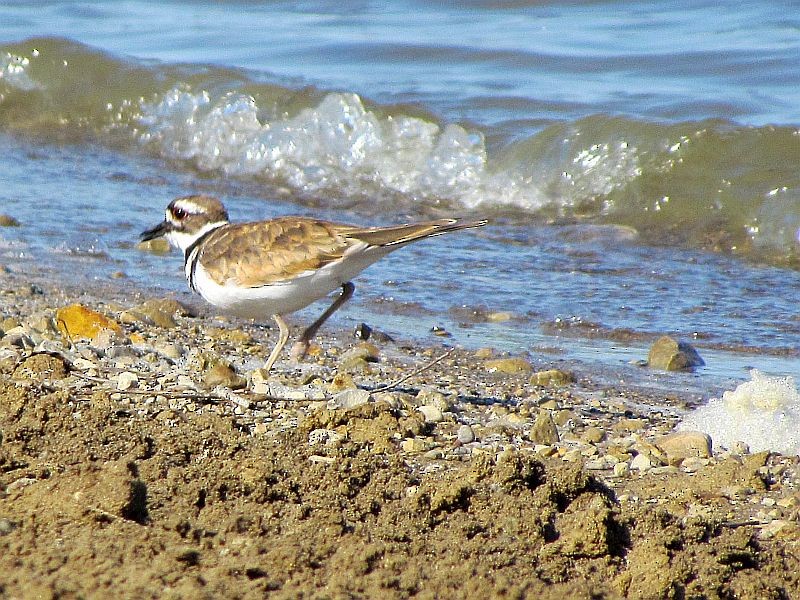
{"points": [[498, 317], [484, 353], [157, 246], [509, 365], [552, 377], [78, 321]]}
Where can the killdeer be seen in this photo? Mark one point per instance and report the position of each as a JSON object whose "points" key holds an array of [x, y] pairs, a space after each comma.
{"points": [[278, 266]]}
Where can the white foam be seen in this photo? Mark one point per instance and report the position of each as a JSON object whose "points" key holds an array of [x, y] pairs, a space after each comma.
{"points": [[340, 145], [14, 70], [763, 412]]}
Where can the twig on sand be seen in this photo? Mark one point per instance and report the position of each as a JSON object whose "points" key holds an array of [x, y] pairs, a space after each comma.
{"points": [[408, 376]]}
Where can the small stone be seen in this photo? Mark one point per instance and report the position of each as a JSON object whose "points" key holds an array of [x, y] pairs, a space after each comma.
{"points": [[362, 331], [431, 413], [440, 331], [356, 360], [169, 350], [106, 338], [628, 425], [41, 366], [161, 312], [6, 526], [622, 469], [325, 437], [736, 492], [8, 221], [341, 382], [544, 430], [349, 399], [157, 246], [498, 317], [545, 451], [593, 435], [693, 465], [685, 444], [510, 366], [413, 445], [669, 354], [465, 434], [434, 398], [77, 321], [552, 378], [781, 529], [484, 353], [8, 324], [740, 448], [642, 463], [126, 380], [221, 373]]}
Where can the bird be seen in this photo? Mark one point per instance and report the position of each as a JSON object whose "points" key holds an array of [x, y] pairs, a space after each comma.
{"points": [[277, 266]]}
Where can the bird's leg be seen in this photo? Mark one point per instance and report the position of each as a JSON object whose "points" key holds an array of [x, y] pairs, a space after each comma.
{"points": [[283, 336], [300, 347]]}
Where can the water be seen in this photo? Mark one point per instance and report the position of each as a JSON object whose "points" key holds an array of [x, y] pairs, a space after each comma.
{"points": [[639, 163]]}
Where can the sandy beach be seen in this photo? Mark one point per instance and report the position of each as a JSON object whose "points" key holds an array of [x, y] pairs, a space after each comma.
{"points": [[143, 454]]}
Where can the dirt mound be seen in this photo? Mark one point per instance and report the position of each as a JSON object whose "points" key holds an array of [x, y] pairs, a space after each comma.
{"points": [[102, 501]]}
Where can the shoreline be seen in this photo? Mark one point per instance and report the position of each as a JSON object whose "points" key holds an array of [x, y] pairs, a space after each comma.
{"points": [[138, 460]]}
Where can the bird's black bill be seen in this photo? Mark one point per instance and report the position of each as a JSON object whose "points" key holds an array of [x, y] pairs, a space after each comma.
{"points": [[156, 232]]}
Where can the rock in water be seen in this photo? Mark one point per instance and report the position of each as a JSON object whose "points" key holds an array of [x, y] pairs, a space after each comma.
{"points": [[669, 354]]}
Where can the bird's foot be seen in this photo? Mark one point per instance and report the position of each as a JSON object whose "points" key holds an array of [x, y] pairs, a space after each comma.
{"points": [[299, 350]]}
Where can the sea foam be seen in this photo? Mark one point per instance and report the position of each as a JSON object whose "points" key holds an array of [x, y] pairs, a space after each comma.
{"points": [[764, 413], [341, 145]]}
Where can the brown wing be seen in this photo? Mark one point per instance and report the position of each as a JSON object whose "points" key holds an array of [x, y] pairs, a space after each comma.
{"points": [[397, 235], [255, 254]]}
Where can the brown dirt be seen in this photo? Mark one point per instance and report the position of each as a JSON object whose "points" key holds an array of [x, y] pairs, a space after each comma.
{"points": [[98, 501]]}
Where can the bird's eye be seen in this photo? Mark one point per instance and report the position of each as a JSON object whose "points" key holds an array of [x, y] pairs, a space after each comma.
{"points": [[179, 213]]}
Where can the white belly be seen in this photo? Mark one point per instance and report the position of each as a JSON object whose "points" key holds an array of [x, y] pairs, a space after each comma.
{"points": [[286, 297]]}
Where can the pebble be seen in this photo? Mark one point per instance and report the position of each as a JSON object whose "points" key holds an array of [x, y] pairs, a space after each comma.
{"points": [[7, 526], [669, 354], [465, 434], [341, 382], [432, 414], [544, 430], [499, 317], [685, 444], [413, 445], [170, 350], [622, 469], [8, 221], [642, 463], [159, 312], [593, 435], [430, 397], [80, 322], [126, 380], [509, 366], [156, 246], [326, 437], [552, 378], [349, 399], [221, 374]]}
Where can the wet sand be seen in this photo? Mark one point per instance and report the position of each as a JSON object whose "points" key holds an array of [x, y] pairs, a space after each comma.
{"points": [[157, 461]]}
